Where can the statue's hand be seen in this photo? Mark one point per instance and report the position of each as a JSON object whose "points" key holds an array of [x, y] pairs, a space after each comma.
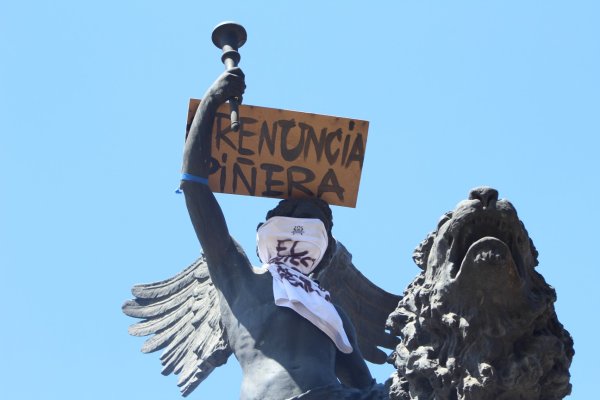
{"points": [[231, 84]]}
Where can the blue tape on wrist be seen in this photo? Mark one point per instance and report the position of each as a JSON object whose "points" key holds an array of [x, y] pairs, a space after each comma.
{"points": [[192, 178]]}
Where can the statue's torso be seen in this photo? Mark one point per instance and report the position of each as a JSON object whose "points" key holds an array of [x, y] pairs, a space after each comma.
{"points": [[281, 353]]}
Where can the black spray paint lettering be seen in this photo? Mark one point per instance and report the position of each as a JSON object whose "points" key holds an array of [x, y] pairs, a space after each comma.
{"points": [[226, 136], [245, 174], [290, 140]]}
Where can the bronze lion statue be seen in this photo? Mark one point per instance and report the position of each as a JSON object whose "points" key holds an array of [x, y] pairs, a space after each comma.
{"points": [[479, 321]]}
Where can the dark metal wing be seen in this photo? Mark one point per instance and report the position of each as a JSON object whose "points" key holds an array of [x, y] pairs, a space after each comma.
{"points": [[367, 305], [182, 314]]}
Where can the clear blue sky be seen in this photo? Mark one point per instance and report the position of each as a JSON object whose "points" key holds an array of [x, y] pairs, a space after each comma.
{"points": [[93, 102]]}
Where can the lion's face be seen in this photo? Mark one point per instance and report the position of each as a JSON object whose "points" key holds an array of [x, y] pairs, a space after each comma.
{"points": [[475, 322], [480, 251]]}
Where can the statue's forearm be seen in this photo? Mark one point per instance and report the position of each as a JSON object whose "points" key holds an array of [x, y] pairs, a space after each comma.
{"points": [[204, 210], [196, 153], [205, 213]]}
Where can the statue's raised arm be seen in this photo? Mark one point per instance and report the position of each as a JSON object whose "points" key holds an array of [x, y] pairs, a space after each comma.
{"points": [[205, 213]]}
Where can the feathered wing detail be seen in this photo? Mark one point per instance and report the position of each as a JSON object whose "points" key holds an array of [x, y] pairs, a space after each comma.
{"points": [[182, 314], [367, 305]]}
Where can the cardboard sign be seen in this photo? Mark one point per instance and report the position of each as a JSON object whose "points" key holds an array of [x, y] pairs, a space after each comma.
{"points": [[287, 154]]}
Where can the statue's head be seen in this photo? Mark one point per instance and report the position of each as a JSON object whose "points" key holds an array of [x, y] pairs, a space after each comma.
{"points": [[308, 208]]}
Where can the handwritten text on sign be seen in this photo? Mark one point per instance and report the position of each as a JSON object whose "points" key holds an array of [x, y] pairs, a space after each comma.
{"points": [[284, 154]]}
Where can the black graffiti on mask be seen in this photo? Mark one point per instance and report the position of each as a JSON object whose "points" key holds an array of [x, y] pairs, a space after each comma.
{"points": [[289, 254], [308, 285], [244, 175]]}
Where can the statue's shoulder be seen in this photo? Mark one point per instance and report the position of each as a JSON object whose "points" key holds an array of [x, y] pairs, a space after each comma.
{"points": [[235, 277]]}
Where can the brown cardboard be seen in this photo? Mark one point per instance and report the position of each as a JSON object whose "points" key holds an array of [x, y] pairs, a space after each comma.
{"points": [[281, 153]]}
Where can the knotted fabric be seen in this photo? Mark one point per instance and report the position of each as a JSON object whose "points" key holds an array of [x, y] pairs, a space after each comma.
{"points": [[290, 249]]}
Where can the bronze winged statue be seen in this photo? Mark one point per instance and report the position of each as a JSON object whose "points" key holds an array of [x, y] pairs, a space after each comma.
{"points": [[311, 344]]}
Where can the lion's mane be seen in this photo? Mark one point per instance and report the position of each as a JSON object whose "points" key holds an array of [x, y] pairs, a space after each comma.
{"points": [[488, 332]]}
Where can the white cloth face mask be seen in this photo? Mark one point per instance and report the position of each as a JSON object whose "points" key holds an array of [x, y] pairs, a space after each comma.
{"points": [[299, 243]]}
